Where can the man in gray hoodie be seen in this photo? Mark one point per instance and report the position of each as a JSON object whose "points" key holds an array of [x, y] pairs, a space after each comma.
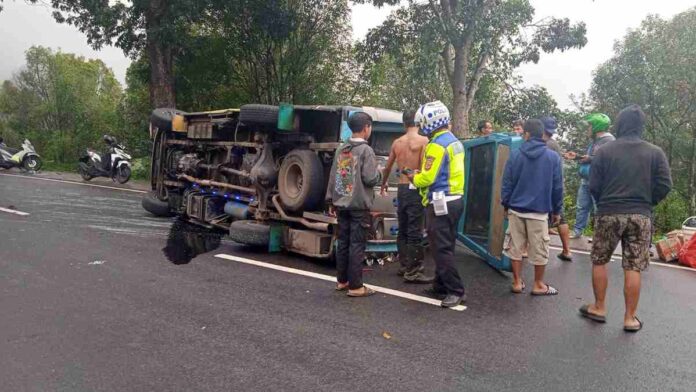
{"points": [[352, 179]]}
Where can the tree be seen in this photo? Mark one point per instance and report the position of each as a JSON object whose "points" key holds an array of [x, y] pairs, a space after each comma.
{"points": [[60, 101], [270, 51], [137, 25], [288, 50], [653, 67], [473, 38]]}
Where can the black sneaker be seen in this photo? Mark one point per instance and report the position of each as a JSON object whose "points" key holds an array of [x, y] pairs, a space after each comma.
{"points": [[453, 300], [432, 293], [418, 278]]}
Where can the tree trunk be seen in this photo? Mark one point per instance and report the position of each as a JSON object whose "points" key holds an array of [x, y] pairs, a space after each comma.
{"points": [[161, 62], [161, 74], [460, 104]]}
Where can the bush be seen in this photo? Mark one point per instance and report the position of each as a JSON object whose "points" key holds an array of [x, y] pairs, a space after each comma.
{"points": [[670, 214], [141, 168]]}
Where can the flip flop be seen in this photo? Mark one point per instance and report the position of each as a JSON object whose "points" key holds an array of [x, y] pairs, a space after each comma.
{"points": [[585, 312], [550, 290], [520, 291], [634, 328], [563, 257], [341, 287], [365, 293]]}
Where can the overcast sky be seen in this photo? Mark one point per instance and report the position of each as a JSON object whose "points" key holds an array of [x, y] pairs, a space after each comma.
{"points": [[23, 25]]}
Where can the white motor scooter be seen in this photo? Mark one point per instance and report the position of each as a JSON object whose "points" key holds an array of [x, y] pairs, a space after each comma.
{"points": [[26, 158]]}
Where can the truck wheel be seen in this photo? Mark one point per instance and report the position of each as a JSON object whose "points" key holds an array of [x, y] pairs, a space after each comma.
{"points": [[301, 181], [162, 118], [156, 206], [259, 114], [250, 232]]}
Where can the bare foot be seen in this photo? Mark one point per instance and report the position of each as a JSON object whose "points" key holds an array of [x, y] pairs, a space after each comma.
{"points": [[594, 310]]}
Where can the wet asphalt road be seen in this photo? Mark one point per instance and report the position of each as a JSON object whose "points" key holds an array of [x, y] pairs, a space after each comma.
{"points": [[155, 315]]}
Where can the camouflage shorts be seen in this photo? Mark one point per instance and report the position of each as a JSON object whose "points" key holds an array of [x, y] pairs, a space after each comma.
{"points": [[634, 232]]}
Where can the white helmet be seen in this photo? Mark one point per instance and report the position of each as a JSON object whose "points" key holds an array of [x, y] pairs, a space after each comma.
{"points": [[432, 116]]}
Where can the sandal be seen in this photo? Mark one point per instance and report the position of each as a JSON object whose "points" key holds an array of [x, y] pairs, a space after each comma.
{"points": [[563, 257], [365, 292], [550, 290], [342, 286], [585, 312], [634, 328], [520, 291]]}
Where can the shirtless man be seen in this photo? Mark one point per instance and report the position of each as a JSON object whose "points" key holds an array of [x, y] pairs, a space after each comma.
{"points": [[407, 151]]}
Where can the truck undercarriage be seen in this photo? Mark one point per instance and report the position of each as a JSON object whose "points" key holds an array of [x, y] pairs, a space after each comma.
{"points": [[260, 173]]}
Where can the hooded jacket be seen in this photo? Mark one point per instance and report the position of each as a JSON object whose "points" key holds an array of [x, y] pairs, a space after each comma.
{"points": [[533, 179], [353, 176], [629, 175]]}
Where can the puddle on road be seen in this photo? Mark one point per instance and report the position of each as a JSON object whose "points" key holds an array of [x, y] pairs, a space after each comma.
{"points": [[186, 241]]}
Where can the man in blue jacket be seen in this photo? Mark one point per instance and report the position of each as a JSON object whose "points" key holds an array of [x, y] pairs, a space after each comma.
{"points": [[532, 189]]}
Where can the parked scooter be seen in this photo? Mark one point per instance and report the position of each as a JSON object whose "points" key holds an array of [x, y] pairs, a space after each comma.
{"points": [[113, 163], [26, 158]]}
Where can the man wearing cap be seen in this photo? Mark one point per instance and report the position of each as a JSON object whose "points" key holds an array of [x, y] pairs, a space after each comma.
{"points": [[550, 126], [598, 130], [440, 181]]}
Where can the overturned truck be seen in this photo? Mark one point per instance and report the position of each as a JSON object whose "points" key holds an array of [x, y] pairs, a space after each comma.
{"points": [[260, 173]]}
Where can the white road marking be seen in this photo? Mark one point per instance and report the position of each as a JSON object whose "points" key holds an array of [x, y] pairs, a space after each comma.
{"points": [[655, 263], [74, 183], [20, 213], [328, 278]]}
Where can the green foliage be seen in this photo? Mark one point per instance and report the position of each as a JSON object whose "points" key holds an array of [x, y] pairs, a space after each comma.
{"points": [[653, 67], [259, 51], [61, 102]]}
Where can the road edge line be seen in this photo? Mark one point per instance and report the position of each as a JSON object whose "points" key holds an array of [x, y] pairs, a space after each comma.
{"points": [[11, 211], [328, 278], [73, 183], [655, 263]]}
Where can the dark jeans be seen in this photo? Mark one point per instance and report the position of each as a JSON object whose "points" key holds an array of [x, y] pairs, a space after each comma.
{"points": [[442, 234], [353, 226], [410, 215]]}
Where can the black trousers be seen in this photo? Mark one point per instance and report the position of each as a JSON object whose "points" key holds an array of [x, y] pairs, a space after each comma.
{"points": [[410, 213], [442, 234], [353, 226]]}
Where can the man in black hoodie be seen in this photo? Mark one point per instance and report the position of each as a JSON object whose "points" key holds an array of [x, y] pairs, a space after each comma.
{"points": [[629, 177]]}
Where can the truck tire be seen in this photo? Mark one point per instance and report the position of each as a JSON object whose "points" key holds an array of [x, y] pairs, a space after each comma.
{"points": [[156, 206], [250, 232], [301, 181], [259, 114], [162, 118]]}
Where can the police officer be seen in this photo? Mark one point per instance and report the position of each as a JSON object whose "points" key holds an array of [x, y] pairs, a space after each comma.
{"points": [[440, 181]]}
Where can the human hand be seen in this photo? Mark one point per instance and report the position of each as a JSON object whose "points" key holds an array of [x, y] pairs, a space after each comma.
{"points": [[383, 190], [555, 219], [570, 155], [332, 211]]}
